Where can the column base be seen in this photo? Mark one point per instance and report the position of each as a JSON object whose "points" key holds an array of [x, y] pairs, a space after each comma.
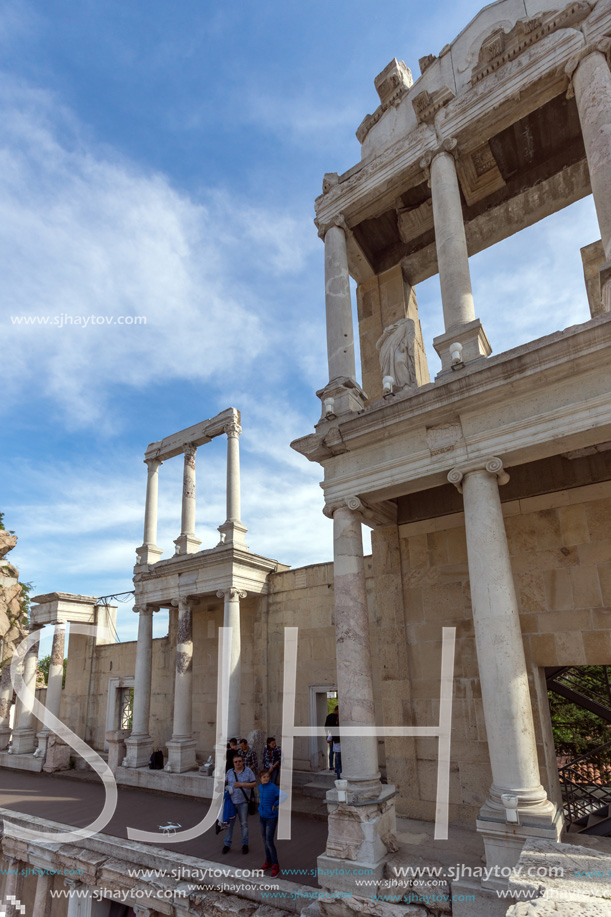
{"points": [[233, 533], [187, 544], [475, 346], [139, 751], [360, 840], [56, 754], [341, 396], [148, 554], [5, 738], [503, 840], [181, 756], [23, 742]]}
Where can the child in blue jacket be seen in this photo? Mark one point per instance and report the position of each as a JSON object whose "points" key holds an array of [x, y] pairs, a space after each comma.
{"points": [[270, 797]]}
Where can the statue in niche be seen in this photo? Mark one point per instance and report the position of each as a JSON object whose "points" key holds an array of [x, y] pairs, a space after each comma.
{"points": [[397, 360]]}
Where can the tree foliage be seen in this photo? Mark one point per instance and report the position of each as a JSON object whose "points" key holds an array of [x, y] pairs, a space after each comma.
{"points": [[578, 731]]}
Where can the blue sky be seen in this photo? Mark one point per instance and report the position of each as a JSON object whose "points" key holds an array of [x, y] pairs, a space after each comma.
{"points": [[162, 160]]}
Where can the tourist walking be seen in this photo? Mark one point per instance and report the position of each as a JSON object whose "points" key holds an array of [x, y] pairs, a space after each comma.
{"points": [[232, 750], [270, 797], [240, 783], [332, 720], [272, 756]]}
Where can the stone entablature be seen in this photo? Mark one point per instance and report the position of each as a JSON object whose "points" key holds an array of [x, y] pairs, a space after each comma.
{"points": [[522, 404]]}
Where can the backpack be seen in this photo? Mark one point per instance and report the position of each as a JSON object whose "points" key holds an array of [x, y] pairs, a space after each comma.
{"points": [[156, 761]]}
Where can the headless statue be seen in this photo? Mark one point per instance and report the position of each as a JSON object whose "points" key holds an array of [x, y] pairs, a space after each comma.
{"points": [[397, 360]]}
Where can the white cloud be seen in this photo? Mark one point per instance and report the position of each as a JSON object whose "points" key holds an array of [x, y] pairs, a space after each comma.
{"points": [[83, 233]]}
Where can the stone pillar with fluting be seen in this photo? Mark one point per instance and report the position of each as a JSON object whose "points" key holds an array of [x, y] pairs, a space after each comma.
{"points": [[181, 747], [503, 675], [461, 325], [591, 84], [6, 698], [149, 553], [140, 744], [231, 618], [54, 683], [187, 543], [343, 392], [361, 828], [23, 741], [232, 531]]}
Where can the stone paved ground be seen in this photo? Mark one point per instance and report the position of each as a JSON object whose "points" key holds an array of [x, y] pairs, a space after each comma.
{"points": [[77, 803]]}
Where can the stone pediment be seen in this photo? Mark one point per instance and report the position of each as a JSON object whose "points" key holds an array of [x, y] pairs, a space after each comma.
{"points": [[500, 46]]}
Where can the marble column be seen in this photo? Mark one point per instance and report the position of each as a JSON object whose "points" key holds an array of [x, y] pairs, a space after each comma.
{"points": [[232, 531], [54, 684], [149, 553], [231, 618], [6, 697], [181, 747], [361, 822], [42, 899], [13, 885], [460, 323], [78, 905], [502, 671], [187, 543], [592, 88], [140, 744], [343, 392], [23, 741]]}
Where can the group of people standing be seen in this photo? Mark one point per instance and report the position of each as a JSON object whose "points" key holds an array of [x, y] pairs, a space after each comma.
{"points": [[242, 769]]}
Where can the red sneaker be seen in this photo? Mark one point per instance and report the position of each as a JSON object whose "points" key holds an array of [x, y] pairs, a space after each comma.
{"points": [[266, 865], [275, 870]]}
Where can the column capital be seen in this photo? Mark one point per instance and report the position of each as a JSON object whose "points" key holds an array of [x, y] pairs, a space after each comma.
{"points": [[339, 220], [447, 145], [492, 465], [152, 463], [372, 514], [232, 593], [600, 46], [233, 429], [189, 450], [144, 609]]}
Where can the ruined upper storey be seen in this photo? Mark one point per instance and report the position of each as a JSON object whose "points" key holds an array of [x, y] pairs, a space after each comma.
{"points": [[502, 93]]}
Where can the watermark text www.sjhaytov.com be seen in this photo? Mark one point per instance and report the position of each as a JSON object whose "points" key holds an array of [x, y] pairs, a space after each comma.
{"points": [[63, 320]]}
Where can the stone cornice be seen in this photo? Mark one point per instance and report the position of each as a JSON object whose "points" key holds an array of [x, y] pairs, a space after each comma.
{"points": [[493, 465]]}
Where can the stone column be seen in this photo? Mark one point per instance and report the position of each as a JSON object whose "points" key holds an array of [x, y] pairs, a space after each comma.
{"points": [[461, 325], [54, 684], [181, 747], [149, 553], [503, 673], [361, 828], [592, 88], [24, 740], [231, 618], [42, 899], [13, 885], [232, 531], [140, 744], [6, 697], [187, 543], [343, 393], [78, 905]]}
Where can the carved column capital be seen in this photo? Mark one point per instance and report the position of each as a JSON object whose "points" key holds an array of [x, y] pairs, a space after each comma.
{"points": [[447, 145], [600, 46], [189, 450], [492, 465], [371, 514], [231, 594], [338, 220], [144, 609], [152, 463], [233, 429]]}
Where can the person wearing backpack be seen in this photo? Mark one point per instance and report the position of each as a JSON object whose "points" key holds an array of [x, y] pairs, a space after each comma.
{"points": [[240, 783]]}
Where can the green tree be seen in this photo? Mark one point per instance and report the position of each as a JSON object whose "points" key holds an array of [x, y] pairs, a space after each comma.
{"points": [[43, 669]]}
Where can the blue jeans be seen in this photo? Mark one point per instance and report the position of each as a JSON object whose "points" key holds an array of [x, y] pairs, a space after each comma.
{"points": [[268, 830], [275, 776], [330, 756], [242, 810], [338, 764]]}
